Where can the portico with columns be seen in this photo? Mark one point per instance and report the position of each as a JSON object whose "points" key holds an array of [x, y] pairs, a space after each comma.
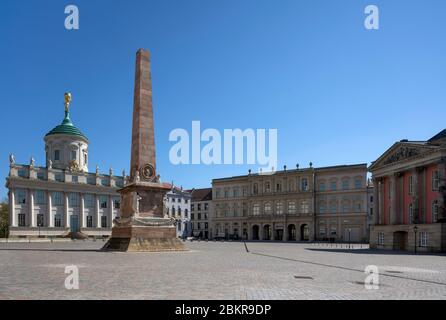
{"points": [[409, 181]]}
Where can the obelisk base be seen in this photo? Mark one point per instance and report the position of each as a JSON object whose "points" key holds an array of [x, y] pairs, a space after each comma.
{"points": [[144, 238]]}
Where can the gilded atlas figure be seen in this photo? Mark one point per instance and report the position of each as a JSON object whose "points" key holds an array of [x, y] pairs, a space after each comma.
{"points": [[67, 96]]}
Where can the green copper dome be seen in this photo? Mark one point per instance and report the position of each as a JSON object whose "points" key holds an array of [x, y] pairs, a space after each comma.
{"points": [[67, 127]]}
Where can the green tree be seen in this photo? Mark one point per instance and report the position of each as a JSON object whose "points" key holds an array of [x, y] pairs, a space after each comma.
{"points": [[4, 219]]}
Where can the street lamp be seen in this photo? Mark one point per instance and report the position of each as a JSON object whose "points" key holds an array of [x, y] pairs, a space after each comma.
{"points": [[349, 233], [415, 230]]}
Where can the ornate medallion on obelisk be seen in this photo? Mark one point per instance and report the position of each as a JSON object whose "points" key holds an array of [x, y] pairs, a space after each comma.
{"points": [[143, 224]]}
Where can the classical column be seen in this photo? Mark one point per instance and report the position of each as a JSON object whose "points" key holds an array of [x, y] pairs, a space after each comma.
{"points": [[110, 222], [375, 202], [32, 213], [66, 212], [50, 221], [98, 215], [393, 193], [12, 214], [82, 212], [415, 196], [442, 190]]}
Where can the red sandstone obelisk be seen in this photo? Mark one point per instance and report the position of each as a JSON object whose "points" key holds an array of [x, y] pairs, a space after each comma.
{"points": [[143, 225]]}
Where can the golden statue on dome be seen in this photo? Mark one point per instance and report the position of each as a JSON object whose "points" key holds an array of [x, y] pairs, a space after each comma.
{"points": [[67, 96]]}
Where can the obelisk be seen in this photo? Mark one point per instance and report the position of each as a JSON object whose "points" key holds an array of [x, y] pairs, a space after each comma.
{"points": [[143, 224], [143, 133]]}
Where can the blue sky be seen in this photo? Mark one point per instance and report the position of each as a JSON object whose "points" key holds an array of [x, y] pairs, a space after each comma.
{"points": [[336, 92]]}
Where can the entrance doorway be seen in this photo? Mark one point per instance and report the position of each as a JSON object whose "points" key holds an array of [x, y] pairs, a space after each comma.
{"points": [[255, 232], [279, 234], [400, 240], [74, 223], [267, 232], [304, 232], [291, 232]]}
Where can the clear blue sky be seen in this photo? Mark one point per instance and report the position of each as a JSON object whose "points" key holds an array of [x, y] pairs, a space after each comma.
{"points": [[336, 92]]}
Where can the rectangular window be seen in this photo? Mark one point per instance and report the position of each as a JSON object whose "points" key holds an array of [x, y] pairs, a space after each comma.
{"points": [[199, 216], [291, 207], [267, 187], [206, 206], [279, 207], [22, 220], [304, 184], [435, 180], [305, 207], [41, 175], [205, 225], [345, 184], [58, 220], [333, 186], [192, 216], [105, 182], [199, 207], [103, 202], [381, 238], [358, 184], [59, 177], [117, 203], [73, 199], [56, 155], [20, 196], [192, 207], [410, 185], [322, 186], [91, 180], [22, 173], [103, 221], [74, 179], [198, 225], [40, 197], [89, 201], [256, 209], [73, 155], [435, 211], [322, 208], [57, 198], [89, 221], [423, 239]]}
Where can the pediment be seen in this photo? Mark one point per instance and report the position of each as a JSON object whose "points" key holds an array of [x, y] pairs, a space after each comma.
{"points": [[401, 151]]}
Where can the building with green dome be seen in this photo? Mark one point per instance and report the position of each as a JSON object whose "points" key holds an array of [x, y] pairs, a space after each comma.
{"points": [[62, 198]]}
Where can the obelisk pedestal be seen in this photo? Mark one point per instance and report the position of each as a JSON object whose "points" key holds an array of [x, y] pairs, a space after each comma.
{"points": [[143, 224]]}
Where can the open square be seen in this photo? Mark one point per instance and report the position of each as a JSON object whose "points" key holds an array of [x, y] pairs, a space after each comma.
{"points": [[217, 270]]}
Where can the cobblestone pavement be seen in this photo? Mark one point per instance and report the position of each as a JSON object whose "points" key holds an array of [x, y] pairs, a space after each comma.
{"points": [[217, 270]]}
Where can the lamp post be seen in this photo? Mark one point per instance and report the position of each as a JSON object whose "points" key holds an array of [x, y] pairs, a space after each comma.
{"points": [[349, 232], [415, 230]]}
